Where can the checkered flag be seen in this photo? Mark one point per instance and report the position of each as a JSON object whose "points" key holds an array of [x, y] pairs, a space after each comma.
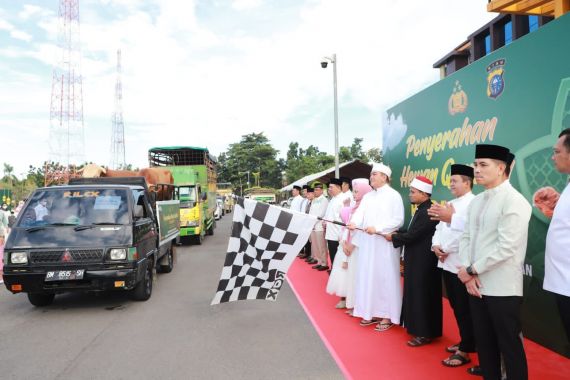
{"points": [[264, 242]]}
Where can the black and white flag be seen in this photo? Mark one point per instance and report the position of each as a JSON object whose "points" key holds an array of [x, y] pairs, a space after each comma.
{"points": [[264, 242]]}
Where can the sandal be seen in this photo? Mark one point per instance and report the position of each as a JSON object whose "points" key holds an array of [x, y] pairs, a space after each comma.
{"points": [[453, 348], [462, 360], [383, 326], [476, 371], [366, 322], [419, 341]]}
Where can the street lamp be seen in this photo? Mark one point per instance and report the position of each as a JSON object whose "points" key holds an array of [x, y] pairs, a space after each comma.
{"points": [[324, 62]]}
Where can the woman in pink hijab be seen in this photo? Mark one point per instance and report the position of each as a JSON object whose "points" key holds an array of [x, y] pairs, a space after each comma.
{"points": [[342, 279]]}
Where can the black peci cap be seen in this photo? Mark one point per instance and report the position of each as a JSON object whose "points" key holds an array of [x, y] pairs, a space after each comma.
{"points": [[458, 169], [495, 152]]}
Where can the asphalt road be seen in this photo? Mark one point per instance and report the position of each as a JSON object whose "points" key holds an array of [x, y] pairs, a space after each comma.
{"points": [[176, 334]]}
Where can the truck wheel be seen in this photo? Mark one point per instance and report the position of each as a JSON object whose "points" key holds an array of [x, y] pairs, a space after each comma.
{"points": [[198, 239], [143, 289], [41, 299], [167, 262]]}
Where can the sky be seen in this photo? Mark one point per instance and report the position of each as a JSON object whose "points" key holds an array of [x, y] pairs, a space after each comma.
{"points": [[206, 72]]}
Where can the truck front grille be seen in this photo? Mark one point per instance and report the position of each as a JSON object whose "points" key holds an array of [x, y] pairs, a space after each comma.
{"points": [[77, 255]]}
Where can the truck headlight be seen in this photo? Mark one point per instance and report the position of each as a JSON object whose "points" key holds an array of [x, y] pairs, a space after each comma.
{"points": [[118, 254], [19, 257]]}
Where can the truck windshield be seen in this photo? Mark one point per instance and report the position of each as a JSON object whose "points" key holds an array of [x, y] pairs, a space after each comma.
{"points": [[187, 195], [76, 207]]}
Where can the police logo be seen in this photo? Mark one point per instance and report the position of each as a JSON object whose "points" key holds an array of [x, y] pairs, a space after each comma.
{"points": [[495, 80], [457, 102]]}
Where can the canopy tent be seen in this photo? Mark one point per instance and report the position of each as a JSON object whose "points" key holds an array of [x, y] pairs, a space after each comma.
{"points": [[351, 169]]}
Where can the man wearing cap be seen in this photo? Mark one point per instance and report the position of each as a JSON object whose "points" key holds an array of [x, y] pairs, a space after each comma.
{"points": [[309, 195], [445, 245], [378, 293], [492, 251], [422, 312], [333, 231], [318, 243], [297, 199], [347, 191]]}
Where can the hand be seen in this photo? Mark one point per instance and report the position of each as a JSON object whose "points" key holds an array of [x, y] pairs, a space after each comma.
{"points": [[463, 275], [441, 213], [351, 226], [388, 236], [370, 230], [348, 248], [473, 286], [344, 265], [441, 255]]}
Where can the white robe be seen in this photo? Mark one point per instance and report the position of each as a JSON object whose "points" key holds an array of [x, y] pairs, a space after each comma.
{"points": [[378, 290]]}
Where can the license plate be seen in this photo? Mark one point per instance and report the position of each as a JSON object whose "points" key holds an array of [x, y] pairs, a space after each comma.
{"points": [[64, 275]]}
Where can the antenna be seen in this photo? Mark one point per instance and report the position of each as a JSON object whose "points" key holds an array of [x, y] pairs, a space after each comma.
{"points": [[118, 133]]}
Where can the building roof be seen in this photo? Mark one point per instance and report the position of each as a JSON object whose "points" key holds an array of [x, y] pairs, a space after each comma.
{"points": [[352, 169], [529, 7]]}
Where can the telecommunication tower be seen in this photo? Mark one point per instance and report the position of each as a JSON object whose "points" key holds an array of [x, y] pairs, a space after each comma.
{"points": [[66, 134], [118, 133]]}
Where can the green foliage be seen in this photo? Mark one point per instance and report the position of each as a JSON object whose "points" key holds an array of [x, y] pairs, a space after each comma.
{"points": [[253, 154]]}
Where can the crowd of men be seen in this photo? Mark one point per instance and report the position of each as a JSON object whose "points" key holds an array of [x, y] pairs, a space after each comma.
{"points": [[475, 244]]}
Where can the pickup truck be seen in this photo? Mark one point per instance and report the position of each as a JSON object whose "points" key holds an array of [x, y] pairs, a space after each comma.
{"points": [[95, 234]]}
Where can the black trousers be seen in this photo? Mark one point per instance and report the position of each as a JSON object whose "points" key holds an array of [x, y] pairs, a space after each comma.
{"points": [[563, 303], [497, 327], [332, 246], [307, 249], [459, 301]]}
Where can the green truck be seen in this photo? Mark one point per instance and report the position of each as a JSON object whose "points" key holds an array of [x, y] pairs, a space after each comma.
{"points": [[194, 172]]}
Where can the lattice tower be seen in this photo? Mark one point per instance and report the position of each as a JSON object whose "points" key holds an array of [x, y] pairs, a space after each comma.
{"points": [[66, 135], [118, 134]]}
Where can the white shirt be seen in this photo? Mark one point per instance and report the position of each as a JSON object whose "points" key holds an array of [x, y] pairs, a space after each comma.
{"points": [[318, 209], [334, 231], [447, 237], [495, 239], [557, 254], [348, 195], [296, 203], [41, 211]]}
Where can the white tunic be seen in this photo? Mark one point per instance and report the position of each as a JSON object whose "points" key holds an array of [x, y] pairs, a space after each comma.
{"points": [[296, 203], [557, 255], [448, 238], [378, 291], [318, 209], [333, 231]]}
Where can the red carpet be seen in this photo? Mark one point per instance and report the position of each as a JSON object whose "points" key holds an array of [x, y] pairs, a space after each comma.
{"points": [[362, 353]]}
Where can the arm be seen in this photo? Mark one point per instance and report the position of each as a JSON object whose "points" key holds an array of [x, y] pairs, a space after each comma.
{"points": [[512, 225], [420, 228]]}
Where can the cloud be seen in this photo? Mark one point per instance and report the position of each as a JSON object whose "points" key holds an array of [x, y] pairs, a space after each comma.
{"points": [[241, 5]]}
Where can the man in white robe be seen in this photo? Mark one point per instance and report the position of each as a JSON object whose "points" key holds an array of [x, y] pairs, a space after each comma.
{"points": [[378, 292], [347, 191]]}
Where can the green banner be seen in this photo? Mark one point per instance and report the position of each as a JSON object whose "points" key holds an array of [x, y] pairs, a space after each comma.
{"points": [[168, 214], [518, 97]]}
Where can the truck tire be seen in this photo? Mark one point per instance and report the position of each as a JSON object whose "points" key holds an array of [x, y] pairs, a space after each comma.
{"points": [[143, 290], [167, 262], [41, 299], [198, 239]]}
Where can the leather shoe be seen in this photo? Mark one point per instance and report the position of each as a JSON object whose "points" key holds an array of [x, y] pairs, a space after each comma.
{"points": [[476, 371], [312, 261], [323, 267], [318, 266]]}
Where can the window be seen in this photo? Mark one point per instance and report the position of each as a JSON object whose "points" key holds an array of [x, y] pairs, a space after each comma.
{"points": [[508, 32], [487, 44], [532, 23]]}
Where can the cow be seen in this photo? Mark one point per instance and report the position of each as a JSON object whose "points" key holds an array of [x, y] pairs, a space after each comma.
{"points": [[153, 176], [96, 171]]}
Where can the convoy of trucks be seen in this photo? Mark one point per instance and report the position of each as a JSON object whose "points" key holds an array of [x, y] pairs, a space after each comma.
{"points": [[194, 172]]}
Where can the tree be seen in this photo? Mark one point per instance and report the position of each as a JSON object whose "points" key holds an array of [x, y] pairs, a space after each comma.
{"points": [[252, 154], [301, 162], [374, 155]]}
